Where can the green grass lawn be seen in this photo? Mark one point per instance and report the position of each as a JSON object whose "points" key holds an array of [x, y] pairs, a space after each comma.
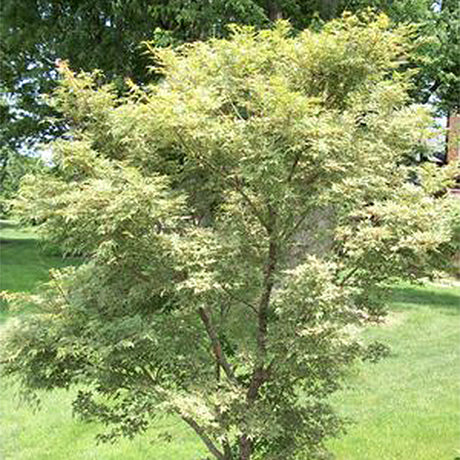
{"points": [[406, 407], [23, 263]]}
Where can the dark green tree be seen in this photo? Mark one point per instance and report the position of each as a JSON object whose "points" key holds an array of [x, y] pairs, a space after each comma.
{"points": [[36, 34], [93, 34]]}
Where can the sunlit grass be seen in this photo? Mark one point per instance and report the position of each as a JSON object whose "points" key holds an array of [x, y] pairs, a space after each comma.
{"points": [[408, 405], [54, 434]]}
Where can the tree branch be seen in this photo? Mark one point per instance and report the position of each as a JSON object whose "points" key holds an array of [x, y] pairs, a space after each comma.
{"points": [[293, 167], [261, 374], [348, 276], [59, 287], [216, 345], [296, 226], [235, 180], [204, 437], [237, 299], [288, 234], [265, 297], [257, 213]]}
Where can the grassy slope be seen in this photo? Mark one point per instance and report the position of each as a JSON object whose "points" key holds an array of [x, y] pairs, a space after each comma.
{"points": [[406, 407]]}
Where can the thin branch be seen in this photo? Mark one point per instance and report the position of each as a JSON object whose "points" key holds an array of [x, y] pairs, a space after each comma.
{"points": [[265, 297], [246, 198], [237, 299], [293, 167], [153, 378], [292, 231], [216, 345], [61, 291], [288, 234], [235, 181], [204, 437], [235, 109], [348, 276]]}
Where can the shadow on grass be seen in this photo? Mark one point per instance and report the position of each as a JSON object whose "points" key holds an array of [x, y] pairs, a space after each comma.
{"points": [[26, 248], [445, 301], [8, 224], [27, 241], [19, 251]]}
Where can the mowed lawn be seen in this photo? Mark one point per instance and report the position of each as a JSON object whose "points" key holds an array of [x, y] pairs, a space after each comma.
{"points": [[23, 262], [406, 407]]}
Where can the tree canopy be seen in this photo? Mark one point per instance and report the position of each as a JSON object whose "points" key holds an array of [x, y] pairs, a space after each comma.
{"points": [[107, 35], [239, 222]]}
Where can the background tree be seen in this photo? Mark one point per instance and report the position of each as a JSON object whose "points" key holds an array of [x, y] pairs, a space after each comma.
{"points": [[91, 34], [107, 35], [438, 57], [240, 221]]}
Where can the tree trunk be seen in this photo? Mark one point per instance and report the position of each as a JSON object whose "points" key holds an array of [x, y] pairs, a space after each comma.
{"points": [[328, 9], [274, 11], [245, 448]]}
